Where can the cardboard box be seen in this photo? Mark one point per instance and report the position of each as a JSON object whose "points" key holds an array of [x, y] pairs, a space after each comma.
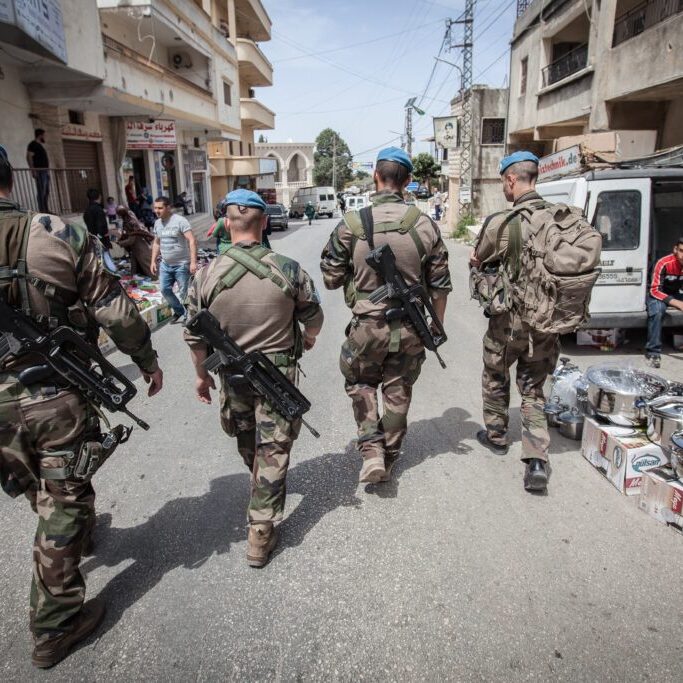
{"points": [[622, 454], [164, 312], [661, 496], [606, 340]]}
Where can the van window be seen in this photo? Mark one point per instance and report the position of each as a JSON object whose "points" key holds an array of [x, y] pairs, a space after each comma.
{"points": [[322, 197], [617, 219], [330, 197]]}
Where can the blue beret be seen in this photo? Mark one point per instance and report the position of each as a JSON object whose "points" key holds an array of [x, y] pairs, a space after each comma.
{"points": [[245, 198], [515, 158], [396, 154]]}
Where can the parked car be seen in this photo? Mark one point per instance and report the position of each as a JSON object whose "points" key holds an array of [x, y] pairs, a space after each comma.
{"points": [[278, 216], [423, 193]]}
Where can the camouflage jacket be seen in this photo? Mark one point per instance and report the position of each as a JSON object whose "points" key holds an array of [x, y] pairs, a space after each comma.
{"points": [[67, 257], [255, 312], [344, 257]]}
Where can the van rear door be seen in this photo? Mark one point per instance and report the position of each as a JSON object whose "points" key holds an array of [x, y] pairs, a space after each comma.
{"points": [[619, 209]]}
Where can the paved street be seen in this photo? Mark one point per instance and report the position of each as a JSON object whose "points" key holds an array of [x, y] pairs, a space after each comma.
{"points": [[451, 572]]}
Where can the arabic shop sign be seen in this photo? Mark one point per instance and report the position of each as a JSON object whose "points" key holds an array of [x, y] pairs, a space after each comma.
{"points": [[159, 134], [75, 132]]}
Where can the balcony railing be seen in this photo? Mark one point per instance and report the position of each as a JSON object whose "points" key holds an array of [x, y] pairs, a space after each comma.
{"points": [[67, 189], [566, 65], [642, 17]]}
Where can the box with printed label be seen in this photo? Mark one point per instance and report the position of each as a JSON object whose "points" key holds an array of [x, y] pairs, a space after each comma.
{"points": [[164, 312], [603, 339], [661, 496], [622, 454]]}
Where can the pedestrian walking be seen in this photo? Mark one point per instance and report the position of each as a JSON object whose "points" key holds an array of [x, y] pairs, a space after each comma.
{"points": [[666, 292], [523, 329], [310, 212], [39, 163], [438, 205], [379, 354], [265, 302], [95, 220], [45, 428], [175, 242]]}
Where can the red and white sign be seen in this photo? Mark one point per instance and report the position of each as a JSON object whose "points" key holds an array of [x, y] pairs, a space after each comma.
{"points": [[561, 163], [160, 134]]}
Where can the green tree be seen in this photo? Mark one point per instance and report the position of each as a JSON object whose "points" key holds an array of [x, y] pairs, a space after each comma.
{"points": [[324, 153], [425, 168], [261, 138]]}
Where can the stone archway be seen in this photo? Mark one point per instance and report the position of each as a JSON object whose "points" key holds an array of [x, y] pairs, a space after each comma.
{"points": [[296, 168], [279, 174]]}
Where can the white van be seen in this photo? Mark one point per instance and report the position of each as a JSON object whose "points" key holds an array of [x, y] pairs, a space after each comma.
{"points": [[639, 212], [323, 200], [354, 202]]}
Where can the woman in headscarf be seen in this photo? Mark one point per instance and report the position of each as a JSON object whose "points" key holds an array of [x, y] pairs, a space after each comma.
{"points": [[137, 241]]}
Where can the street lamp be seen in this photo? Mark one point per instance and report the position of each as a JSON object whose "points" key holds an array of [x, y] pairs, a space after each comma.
{"points": [[410, 107]]}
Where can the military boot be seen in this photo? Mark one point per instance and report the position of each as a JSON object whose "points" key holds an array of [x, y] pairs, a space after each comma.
{"points": [[389, 463], [372, 470], [536, 475], [261, 540], [49, 651]]}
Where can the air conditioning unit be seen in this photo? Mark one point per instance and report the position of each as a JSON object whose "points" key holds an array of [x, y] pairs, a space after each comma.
{"points": [[181, 60]]}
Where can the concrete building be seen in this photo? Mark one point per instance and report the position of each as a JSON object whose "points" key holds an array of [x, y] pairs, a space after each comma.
{"points": [[489, 110], [143, 88], [294, 166], [587, 66]]}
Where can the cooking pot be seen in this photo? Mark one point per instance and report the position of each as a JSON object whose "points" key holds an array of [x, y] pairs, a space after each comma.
{"points": [[664, 418], [552, 413], [620, 395], [677, 453], [571, 424]]}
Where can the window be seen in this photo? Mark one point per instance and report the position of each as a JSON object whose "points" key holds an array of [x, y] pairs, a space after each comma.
{"points": [[522, 78], [617, 219], [76, 117], [241, 148], [330, 197], [322, 197], [230, 148], [444, 154], [493, 132], [227, 94]]}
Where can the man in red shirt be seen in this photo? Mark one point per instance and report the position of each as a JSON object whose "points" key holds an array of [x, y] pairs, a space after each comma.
{"points": [[666, 289]]}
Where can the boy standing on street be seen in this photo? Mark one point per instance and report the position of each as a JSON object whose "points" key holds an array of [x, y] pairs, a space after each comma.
{"points": [[174, 240]]}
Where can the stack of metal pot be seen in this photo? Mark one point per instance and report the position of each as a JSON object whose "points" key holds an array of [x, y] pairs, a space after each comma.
{"points": [[635, 398], [567, 403]]}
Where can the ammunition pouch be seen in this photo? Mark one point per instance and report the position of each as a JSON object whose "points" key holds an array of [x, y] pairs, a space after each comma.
{"points": [[491, 288], [83, 462]]}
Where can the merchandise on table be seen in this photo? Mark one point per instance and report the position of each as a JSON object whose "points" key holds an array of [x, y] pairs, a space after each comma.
{"points": [[605, 340], [661, 496]]}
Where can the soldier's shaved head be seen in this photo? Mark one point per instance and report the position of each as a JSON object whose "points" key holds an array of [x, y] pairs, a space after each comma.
{"points": [[524, 171], [391, 175], [243, 218]]}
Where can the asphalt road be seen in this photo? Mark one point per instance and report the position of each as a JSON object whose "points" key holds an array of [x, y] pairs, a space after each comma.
{"points": [[451, 572]]}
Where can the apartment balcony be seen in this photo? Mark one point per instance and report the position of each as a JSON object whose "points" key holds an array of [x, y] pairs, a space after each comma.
{"points": [[255, 69], [642, 17], [256, 115], [567, 65], [252, 20]]}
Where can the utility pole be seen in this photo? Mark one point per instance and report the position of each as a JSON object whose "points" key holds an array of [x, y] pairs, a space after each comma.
{"points": [[467, 19], [334, 163], [409, 131]]}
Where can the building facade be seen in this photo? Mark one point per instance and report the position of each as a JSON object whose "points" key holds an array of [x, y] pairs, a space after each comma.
{"points": [[293, 166], [143, 89], [489, 111], [580, 67]]}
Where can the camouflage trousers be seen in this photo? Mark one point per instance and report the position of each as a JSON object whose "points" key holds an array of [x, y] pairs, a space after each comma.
{"points": [[506, 342], [264, 440], [65, 508], [368, 365]]}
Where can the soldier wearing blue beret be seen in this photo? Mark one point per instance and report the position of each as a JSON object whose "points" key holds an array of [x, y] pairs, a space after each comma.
{"points": [[508, 339], [266, 302], [379, 355]]}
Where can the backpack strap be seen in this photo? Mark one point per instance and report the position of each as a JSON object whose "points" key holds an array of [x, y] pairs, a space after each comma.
{"points": [[368, 225], [251, 262]]}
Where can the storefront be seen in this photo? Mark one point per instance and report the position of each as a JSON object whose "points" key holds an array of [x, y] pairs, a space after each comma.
{"points": [[195, 163]]}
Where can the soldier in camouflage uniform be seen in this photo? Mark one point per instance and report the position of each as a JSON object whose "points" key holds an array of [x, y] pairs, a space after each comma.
{"points": [[42, 424], [509, 341], [377, 353], [261, 299]]}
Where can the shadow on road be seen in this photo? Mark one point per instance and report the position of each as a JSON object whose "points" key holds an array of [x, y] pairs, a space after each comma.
{"points": [[186, 532]]}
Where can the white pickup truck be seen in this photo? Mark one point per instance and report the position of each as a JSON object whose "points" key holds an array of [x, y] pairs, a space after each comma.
{"points": [[639, 212]]}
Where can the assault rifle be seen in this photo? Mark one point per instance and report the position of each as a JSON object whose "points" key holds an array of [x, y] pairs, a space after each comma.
{"points": [[254, 369], [68, 357], [415, 306]]}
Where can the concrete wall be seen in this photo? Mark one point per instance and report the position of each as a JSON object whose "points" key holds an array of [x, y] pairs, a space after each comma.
{"points": [[17, 127], [83, 39]]}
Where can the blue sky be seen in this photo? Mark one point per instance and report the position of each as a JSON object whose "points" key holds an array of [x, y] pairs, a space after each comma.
{"points": [[366, 58]]}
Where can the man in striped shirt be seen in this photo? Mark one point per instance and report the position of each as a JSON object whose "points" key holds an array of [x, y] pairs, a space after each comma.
{"points": [[666, 289]]}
